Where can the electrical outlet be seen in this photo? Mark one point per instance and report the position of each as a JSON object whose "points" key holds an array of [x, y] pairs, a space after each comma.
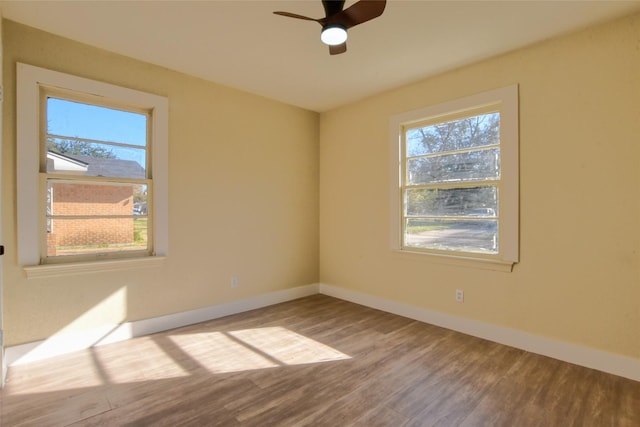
{"points": [[459, 295], [234, 281]]}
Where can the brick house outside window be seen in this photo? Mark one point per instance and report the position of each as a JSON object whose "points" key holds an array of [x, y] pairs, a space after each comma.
{"points": [[78, 200]]}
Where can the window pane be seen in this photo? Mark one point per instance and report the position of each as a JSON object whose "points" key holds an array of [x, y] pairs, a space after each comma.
{"points": [[478, 236], [96, 235], [85, 121], [94, 159], [95, 218], [475, 202], [88, 199], [472, 166], [470, 132]]}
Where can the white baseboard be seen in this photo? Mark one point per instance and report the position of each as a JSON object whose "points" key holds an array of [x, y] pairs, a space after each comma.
{"points": [[612, 363], [61, 344]]}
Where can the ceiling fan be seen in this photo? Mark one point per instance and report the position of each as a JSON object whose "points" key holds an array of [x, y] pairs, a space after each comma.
{"points": [[338, 20]]}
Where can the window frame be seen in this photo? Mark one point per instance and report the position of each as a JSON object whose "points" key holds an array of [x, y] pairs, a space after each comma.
{"points": [[51, 178], [33, 84], [503, 100]]}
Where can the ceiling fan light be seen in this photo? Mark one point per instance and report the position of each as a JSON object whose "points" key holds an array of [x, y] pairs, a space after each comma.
{"points": [[333, 35]]}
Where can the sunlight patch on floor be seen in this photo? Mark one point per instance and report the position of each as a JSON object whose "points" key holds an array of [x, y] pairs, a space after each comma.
{"points": [[288, 347], [40, 376], [250, 349], [173, 356], [160, 366], [218, 353]]}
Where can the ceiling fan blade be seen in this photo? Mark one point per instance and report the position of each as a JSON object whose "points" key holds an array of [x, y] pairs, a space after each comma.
{"points": [[294, 15], [362, 11], [338, 48]]}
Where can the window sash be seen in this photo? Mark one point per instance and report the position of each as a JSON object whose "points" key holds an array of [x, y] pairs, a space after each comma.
{"points": [[47, 220], [408, 183]]}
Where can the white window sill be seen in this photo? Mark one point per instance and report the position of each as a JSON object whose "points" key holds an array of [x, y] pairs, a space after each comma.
{"points": [[58, 270], [459, 261]]}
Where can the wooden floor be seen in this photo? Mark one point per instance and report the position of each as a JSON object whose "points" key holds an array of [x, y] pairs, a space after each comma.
{"points": [[316, 361]]}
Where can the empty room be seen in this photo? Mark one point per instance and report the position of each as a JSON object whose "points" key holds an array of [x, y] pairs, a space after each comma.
{"points": [[320, 213]]}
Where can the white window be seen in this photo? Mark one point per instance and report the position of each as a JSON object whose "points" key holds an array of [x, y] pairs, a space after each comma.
{"points": [[455, 173], [92, 170]]}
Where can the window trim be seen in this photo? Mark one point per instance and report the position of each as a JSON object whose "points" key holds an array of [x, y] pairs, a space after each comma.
{"points": [[30, 79], [507, 99]]}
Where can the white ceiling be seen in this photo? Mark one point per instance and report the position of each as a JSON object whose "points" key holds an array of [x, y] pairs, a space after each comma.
{"points": [[243, 45]]}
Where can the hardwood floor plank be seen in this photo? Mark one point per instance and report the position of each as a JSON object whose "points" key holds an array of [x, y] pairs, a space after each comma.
{"points": [[381, 416], [544, 391], [181, 405], [53, 409], [317, 361]]}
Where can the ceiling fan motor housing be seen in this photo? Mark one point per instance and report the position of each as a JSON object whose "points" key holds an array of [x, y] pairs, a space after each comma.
{"points": [[331, 7]]}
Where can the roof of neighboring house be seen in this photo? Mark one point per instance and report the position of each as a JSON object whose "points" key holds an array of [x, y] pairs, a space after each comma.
{"points": [[60, 162], [100, 166]]}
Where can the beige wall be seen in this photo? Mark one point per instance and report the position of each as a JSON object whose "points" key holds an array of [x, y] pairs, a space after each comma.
{"points": [[578, 279], [243, 199]]}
